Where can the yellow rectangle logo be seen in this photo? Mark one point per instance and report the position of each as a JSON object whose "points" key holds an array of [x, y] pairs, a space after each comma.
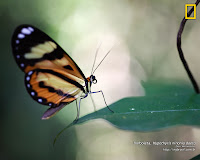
{"points": [[195, 13]]}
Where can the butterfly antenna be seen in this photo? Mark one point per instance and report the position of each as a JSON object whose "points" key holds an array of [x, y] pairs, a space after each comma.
{"points": [[95, 57], [102, 60]]}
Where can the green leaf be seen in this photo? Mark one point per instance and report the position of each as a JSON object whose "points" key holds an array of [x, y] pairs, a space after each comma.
{"points": [[165, 105], [196, 157]]}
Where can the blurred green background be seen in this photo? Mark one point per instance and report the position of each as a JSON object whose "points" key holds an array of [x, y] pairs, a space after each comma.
{"points": [[148, 29]]}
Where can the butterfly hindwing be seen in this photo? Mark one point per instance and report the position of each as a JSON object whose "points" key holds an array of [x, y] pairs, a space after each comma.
{"points": [[52, 88]]}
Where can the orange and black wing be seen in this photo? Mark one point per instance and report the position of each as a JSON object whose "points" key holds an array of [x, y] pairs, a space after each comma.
{"points": [[53, 88], [51, 77]]}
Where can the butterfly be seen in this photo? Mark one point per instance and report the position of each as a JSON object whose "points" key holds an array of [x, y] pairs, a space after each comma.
{"points": [[52, 77]]}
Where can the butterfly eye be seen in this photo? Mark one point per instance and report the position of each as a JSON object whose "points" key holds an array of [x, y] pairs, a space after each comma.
{"points": [[94, 81]]}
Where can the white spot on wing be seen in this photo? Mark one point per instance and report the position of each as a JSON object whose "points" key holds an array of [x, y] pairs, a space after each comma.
{"points": [[40, 100], [28, 85], [28, 78], [22, 64], [50, 104], [18, 56], [29, 73], [33, 93], [26, 31], [31, 29], [17, 41], [20, 36]]}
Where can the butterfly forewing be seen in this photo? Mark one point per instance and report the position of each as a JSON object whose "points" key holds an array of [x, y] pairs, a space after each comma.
{"points": [[51, 77], [33, 48]]}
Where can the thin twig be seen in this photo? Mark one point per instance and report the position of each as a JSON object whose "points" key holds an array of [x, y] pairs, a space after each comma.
{"points": [[182, 25]]}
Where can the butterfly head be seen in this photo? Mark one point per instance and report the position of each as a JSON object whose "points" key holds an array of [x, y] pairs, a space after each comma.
{"points": [[92, 79]]}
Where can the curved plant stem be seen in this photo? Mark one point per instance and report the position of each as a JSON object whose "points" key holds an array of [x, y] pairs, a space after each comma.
{"points": [[55, 139], [182, 25]]}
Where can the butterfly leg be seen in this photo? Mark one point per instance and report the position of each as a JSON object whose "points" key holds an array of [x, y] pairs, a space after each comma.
{"points": [[76, 119], [93, 103], [103, 98], [78, 108]]}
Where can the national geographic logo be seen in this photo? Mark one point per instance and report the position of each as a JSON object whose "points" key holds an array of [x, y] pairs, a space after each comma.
{"points": [[187, 6]]}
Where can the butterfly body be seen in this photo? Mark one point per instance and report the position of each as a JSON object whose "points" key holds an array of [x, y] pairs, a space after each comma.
{"points": [[52, 78]]}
